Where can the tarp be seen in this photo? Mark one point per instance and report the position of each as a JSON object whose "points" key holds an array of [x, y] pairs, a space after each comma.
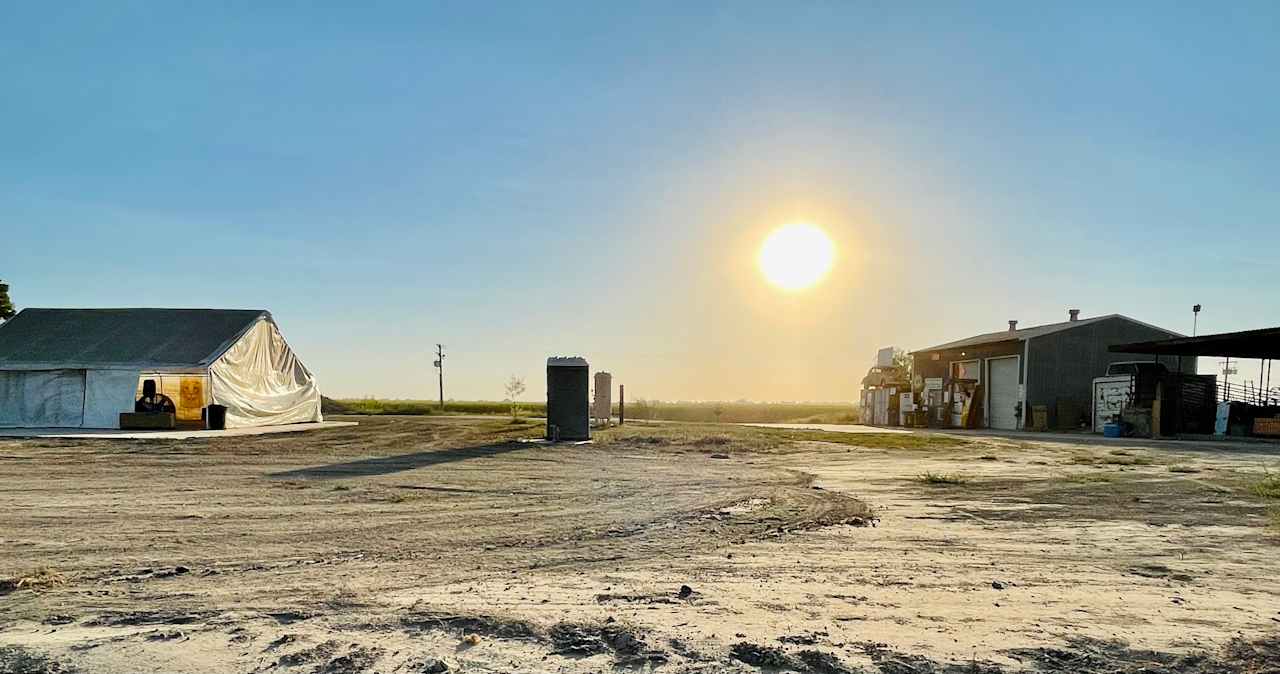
{"points": [[42, 398], [262, 382], [107, 393]]}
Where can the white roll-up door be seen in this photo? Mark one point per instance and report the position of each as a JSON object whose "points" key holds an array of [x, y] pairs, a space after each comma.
{"points": [[1003, 392]]}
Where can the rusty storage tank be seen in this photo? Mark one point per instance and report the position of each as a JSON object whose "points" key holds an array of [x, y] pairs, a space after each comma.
{"points": [[568, 399]]}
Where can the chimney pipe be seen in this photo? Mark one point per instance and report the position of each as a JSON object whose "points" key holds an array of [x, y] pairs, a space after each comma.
{"points": [[1013, 326], [1075, 314]]}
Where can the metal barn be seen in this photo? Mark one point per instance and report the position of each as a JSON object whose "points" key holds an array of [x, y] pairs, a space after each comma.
{"points": [[1010, 373]]}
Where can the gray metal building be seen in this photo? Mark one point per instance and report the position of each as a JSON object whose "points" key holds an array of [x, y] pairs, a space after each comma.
{"points": [[1051, 365]]}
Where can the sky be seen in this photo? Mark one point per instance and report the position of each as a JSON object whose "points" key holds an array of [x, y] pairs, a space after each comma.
{"points": [[519, 180]]}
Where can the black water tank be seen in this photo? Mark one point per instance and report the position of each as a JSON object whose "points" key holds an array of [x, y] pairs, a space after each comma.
{"points": [[568, 399]]}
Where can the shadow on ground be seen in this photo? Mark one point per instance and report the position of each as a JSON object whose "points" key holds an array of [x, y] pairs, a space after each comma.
{"points": [[1078, 656], [1187, 443], [387, 465]]}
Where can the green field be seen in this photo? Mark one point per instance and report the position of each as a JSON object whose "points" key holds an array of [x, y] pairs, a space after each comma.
{"points": [[706, 412], [424, 407]]}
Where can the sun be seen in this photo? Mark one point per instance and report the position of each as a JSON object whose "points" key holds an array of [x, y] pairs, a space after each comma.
{"points": [[796, 256]]}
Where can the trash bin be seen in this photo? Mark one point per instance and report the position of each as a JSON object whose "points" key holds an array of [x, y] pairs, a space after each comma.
{"points": [[216, 417], [1111, 429], [1039, 417]]}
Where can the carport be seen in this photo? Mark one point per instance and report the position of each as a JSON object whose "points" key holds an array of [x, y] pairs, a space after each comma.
{"points": [[1242, 408], [1264, 345]]}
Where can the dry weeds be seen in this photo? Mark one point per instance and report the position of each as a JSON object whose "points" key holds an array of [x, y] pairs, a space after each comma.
{"points": [[1267, 487], [38, 579], [947, 479]]}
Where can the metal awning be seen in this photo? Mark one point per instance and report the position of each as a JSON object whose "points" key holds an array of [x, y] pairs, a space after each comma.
{"points": [[1264, 343]]}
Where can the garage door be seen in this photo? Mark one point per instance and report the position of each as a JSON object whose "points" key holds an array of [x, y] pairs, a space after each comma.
{"points": [[1004, 392]]}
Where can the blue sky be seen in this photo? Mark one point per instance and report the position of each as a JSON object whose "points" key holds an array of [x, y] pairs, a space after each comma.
{"points": [[523, 179]]}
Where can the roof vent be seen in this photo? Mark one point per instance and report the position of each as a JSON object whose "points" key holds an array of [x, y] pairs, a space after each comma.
{"points": [[1013, 326], [1075, 314]]}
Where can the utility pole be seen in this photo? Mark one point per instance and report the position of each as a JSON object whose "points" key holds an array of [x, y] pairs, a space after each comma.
{"points": [[1195, 313], [440, 368], [1226, 377]]}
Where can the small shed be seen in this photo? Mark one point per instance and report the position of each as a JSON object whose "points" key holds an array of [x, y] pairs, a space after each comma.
{"points": [[80, 368]]}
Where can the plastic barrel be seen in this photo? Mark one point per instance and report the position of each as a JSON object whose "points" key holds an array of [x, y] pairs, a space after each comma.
{"points": [[1111, 430], [216, 419]]}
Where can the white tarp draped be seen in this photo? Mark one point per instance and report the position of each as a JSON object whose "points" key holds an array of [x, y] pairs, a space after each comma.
{"points": [[261, 382], [41, 398], [107, 393]]}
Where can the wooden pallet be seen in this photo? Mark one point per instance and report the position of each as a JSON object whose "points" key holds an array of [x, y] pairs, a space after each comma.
{"points": [[152, 422], [1266, 426]]}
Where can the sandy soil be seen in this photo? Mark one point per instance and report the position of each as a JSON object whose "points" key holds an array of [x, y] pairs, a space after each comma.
{"points": [[417, 544]]}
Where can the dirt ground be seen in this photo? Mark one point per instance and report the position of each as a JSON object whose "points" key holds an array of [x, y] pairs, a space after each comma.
{"points": [[418, 544]]}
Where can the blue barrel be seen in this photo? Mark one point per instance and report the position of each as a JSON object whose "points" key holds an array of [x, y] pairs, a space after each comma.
{"points": [[1111, 430]]}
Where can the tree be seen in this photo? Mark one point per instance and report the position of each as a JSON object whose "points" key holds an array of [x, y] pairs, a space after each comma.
{"points": [[902, 360], [515, 387], [6, 305], [906, 365]]}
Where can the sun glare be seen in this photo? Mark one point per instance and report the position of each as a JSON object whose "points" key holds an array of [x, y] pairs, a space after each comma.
{"points": [[796, 256]]}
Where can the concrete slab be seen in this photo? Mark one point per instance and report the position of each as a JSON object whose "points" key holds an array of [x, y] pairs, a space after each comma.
{"points": [[113, 434], [833, 428], [544, 441]]}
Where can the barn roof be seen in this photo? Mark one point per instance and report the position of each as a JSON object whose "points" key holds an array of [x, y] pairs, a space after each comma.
{"points": [[1029, 333], [121, 338]]}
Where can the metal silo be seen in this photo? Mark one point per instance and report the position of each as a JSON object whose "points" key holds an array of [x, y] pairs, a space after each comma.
{"points": [[601, 404], [568, 399]]}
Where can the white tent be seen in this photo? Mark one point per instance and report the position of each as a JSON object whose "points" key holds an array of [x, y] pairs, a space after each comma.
{"points": [[81, 368]]}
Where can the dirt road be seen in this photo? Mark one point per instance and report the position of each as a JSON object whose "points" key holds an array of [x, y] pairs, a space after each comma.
{"points": [[412, 544]]}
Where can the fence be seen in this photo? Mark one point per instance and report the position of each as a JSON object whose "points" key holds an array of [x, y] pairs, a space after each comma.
{"points": [[1247, 393]]}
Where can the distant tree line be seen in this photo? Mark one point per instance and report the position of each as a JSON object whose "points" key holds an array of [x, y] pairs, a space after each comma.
{"points": [[638, 410]]}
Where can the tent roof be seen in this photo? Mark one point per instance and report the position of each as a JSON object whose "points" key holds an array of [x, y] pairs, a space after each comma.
{"points": [[1264, 343], [121, 338]]}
